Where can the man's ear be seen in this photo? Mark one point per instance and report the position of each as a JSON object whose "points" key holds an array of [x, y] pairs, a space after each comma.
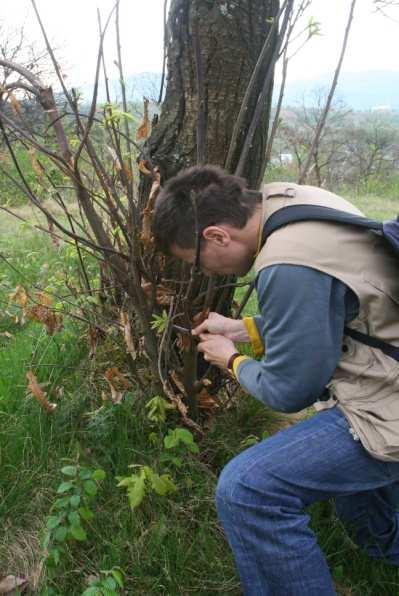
{"points": [[217, 235]]}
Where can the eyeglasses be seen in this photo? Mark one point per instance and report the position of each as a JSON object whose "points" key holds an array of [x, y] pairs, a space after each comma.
{"points": [[196, 264]]}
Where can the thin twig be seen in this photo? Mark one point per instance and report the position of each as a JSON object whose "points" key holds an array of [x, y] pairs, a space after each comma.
{"points": [[165, 4], [249, 91], [201, 117], [265, 90]]}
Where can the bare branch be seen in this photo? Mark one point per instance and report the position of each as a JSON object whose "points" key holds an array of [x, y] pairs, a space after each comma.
{"points": [[262, 97], [250, 89]]}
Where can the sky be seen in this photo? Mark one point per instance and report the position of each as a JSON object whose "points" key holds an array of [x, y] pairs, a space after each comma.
{"points": [[72, 26]]}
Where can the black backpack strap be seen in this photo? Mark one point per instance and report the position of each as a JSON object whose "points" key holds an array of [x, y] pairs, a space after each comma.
{"points": [[296, 213], [373, 342]]}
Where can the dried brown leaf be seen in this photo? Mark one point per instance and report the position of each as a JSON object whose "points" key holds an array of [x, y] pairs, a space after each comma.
{"points": [[163, 294], [44, 299], [43, 314], [15, 105], [115, 378], [37, 392], [36, 167], [19, 296], [206, 401], [182, 408], [146, 235], [93, 341], [127, 333], [143, 168], [144, 129], [6, 334], [177, 381], [11, 583]]}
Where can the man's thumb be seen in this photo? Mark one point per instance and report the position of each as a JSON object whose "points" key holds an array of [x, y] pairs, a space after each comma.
{"points": [[201, 328]]}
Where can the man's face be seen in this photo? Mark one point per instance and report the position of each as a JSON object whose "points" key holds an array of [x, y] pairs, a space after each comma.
{"points": [[220, 254]]}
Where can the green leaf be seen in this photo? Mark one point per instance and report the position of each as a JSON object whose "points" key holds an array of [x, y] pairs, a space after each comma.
{"points": [[61, 503], [338, 573], [75, 500], [157, 408], [78, 533], [153, 438], [110, 583], [64, 487], [118, 576], [180, 435], [91, 591], [74, 518], [53, 522], [55, 553], [86, 514], [170, 440], [46, 540], [136, 492], [162, 485], [159, 322], [249, 441], [126, 480], [90, 488], [85, 474], [98, 475], [108, 592], [60, 534], [69, 470], [176, 461]]}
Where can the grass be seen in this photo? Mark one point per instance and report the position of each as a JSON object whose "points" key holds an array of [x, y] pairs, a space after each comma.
{"points": [[171, 545]]}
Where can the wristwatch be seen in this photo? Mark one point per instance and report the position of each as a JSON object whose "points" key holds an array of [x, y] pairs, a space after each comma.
{"points": [[231, 362]]}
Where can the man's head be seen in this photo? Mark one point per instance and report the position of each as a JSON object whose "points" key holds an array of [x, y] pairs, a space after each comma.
{"points": [[225, 211]]}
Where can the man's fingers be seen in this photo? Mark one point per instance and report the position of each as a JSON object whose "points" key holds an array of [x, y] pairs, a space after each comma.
{"points": [[206, 336], [201, 328]]}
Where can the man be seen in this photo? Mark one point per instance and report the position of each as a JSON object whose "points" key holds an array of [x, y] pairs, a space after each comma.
{"points": [[313, 279]]}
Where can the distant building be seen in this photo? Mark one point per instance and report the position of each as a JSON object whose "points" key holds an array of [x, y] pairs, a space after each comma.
{"points": [[286, 159]]}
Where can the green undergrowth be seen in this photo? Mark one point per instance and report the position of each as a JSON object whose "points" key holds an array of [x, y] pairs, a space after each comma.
{"points": [[170, 545]]}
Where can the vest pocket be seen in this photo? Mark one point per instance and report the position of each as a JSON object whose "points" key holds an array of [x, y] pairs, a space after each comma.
{"points": [[383, 287]]}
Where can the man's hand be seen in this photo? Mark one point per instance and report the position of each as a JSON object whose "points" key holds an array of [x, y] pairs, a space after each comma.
{"points": [[216, 349], [232, 329]]}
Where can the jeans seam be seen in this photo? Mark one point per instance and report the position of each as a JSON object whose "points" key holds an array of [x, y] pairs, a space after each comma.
{"points": [[284, 447]]}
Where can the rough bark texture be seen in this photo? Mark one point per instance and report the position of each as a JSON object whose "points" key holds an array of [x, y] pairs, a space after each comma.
{"points": [[231, 34]]}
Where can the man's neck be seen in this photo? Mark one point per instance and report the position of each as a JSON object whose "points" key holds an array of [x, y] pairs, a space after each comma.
{"points": [[250, 233]]}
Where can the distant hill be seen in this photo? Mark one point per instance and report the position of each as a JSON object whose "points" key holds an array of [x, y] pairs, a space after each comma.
{"points": [[360, 90], [144, 84]]}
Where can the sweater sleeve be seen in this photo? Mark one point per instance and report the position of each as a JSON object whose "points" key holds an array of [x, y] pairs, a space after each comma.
{"points": [[303, 313]]}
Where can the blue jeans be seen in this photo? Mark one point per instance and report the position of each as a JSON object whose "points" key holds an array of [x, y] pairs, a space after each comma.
{"points": [[262, 495]]}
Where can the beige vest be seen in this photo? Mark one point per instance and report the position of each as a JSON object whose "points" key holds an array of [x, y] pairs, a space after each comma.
{"points": [[365, 384]]}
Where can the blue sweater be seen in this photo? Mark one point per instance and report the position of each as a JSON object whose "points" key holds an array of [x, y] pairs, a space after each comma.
{"points": [[302, 317]]}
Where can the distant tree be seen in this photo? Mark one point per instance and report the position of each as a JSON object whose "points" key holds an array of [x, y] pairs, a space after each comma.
{"points": [[296, 134], [324, 114], [372, 146]]}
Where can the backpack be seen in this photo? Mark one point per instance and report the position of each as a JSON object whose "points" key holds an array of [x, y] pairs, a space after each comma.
{"points": [[389, 230]]}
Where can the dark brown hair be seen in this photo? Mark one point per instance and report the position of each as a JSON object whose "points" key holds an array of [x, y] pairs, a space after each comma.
{"points": [[220, 198]]}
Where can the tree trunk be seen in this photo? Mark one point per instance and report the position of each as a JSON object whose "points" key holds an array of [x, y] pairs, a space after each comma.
{"points": [[212, 48], [229, 36]]}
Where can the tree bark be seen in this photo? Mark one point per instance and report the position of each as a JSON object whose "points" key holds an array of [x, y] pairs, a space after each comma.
{"points": [[228, 37]]}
